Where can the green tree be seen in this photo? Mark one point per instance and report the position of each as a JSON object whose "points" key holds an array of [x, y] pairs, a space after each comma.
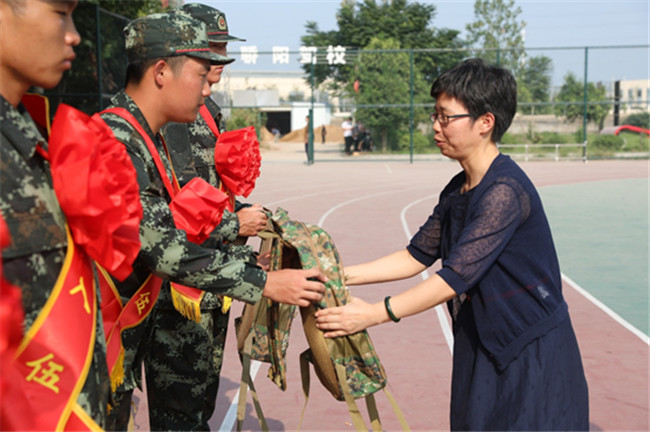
{"points": [[367, 27], [498, 33], [572, 93], [534, 84], [82, 87], [638, 119], [385, 81], [405, 22]]}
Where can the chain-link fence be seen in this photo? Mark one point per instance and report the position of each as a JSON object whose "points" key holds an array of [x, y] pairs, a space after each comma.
{"points": [[567, 95], [87, 86]]}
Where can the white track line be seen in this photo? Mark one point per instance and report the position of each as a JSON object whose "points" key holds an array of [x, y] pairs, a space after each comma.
{"points": [[440, 311], [607, 310]]}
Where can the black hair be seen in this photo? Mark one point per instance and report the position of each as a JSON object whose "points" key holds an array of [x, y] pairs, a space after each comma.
{"points": [[135, 71], [482, 88]]}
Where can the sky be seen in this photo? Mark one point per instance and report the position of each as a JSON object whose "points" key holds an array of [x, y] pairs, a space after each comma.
{"points": [[549, 24]]}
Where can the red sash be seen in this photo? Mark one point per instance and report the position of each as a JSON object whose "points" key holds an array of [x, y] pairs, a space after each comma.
{"points": [[117, 318], [205, 113], [56, 352], [186, 300]]}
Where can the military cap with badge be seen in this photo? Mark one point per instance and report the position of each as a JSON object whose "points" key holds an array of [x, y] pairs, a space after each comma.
{"points": [[169, 34]]}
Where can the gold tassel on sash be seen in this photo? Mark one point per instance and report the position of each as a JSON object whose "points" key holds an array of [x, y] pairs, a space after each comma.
{"points": [[188, 306], [117, 374], [226, 302]]}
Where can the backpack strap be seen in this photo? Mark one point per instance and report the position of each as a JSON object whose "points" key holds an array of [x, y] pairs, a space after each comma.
{"points": [[247, 382], [245, 343], [397, 410]]}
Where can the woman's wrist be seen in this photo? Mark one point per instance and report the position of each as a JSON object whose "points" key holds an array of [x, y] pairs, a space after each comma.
{"points": [[389, 310]]}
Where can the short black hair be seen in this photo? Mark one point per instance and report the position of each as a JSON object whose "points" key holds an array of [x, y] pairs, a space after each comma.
{"points": [[482, 88], [135, 71]]}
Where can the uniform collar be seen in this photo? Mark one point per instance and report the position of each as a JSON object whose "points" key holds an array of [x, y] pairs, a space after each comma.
{"points": [[21, 131]]}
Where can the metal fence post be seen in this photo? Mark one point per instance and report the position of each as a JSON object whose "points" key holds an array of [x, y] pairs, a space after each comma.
{"points": [[411, 90], [310, 122], [584, 111]]}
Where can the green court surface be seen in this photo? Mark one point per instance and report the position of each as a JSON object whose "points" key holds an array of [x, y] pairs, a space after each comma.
{"points": [[601, 235]]}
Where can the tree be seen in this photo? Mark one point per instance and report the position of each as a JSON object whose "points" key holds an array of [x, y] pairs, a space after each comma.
{"points": [[572, 93], [365, 29], [384, 82], [81, 86], [534, 84], [407, 23], [499, 33]]}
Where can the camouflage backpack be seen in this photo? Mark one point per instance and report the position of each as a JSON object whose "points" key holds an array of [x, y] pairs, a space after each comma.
{"points": [[347, 366]]}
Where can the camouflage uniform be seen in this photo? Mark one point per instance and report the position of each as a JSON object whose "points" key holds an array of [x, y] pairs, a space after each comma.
{"points": [[184, 360], [165, 250], [38, 246], [185, 357]]}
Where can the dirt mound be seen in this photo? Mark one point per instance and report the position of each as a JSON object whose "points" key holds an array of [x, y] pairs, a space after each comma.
{"points": [[334, 133]]}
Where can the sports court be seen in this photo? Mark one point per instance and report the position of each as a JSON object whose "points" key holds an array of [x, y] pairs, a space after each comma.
{"points": [[371, 206]]}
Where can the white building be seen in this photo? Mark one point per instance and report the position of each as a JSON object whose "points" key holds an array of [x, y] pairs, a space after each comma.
{"points": [[285, 97], [635, 96]]}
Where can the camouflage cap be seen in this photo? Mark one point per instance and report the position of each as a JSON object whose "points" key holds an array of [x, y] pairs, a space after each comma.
{"points": [[214, 19], [167, 35]]}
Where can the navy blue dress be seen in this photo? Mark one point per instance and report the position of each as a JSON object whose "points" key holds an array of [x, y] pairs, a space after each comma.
{"points": [[516, 362]]}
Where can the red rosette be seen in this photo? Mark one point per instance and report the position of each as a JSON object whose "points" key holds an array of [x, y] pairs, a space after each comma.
{"points": [[237, 159], [198, 209], [97, 188]]}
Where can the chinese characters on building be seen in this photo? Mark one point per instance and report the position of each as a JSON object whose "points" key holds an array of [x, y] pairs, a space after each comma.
{"points": [[282, 55]]}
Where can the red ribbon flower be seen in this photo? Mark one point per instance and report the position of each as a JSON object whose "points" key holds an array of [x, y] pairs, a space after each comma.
{"points": [[97, 189], [238, 159], [198, 209]]}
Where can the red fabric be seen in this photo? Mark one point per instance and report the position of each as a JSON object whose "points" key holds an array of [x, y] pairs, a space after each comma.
{"points": [[11, 334], [238, 159], [198, 209], [97, 188]]}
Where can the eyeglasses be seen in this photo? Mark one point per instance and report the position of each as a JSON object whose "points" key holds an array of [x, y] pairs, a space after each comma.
{"points": [[445, 119]]}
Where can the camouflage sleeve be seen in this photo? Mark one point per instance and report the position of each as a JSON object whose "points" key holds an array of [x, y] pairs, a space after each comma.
{"points": [[169, 254], [228, 229]]}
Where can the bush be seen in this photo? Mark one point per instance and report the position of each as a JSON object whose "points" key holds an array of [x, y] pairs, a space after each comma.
{"points": [[244, 117], [509, 138], [608, 142], [421, 143], [550, 138], [638, 119]]}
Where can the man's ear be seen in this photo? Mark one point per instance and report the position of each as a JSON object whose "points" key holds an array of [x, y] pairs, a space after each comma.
{"points": [[161, 72]]}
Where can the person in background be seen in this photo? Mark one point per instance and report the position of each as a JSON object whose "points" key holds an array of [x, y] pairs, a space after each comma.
{"points": [[323, 133], [347, 135], [37, 40], [184, 359], [305, 137], [516, 361], [166, 80]]}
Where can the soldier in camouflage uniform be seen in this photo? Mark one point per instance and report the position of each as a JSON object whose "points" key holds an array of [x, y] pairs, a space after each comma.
{"points": [[184, 360], [37, 42], [169, 59]]}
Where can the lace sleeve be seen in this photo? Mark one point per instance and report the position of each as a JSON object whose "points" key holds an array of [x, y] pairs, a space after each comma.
{"points": [[490, 225], [425, 244]]}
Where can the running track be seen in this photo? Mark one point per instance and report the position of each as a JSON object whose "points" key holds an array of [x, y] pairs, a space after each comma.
{"points": [[372, 209]]}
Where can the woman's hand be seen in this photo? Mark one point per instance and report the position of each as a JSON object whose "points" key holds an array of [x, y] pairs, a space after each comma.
{"points": [[355, 316]]}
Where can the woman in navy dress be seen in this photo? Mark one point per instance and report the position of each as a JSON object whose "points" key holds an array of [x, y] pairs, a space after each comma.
{"points": [[516, 362]]}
